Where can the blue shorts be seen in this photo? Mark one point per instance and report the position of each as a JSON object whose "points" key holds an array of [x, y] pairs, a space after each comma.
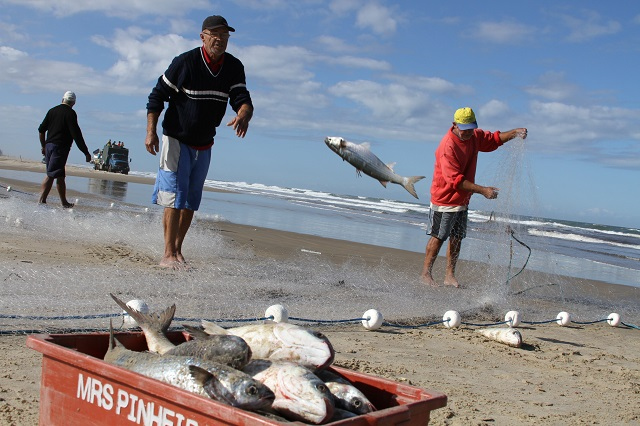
{"points": [[55, 156], [181, 175], [445, 224]]}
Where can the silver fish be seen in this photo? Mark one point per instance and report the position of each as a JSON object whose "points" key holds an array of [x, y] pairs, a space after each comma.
{"points": [[506, 335], [299, 394], [282, 341], [202, 377], [365, 161], [346, 395], [226, 349]]}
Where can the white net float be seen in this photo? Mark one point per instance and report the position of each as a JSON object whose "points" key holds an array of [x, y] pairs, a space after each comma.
{"points": [[563, 318], [512, 318], [278, 313], [372, 319], [613, 319], [8, 188], [452, 319], [138, 305]]}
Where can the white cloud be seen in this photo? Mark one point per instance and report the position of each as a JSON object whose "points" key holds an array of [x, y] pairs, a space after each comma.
{"points": [[276, 64], [494, 109], [389, 101], [9, 54], [122, 9], [139, 57], [357, 62], [503, 32], [553, 86], [377, 18], [591, 25], [344, 7], [334, 44]]}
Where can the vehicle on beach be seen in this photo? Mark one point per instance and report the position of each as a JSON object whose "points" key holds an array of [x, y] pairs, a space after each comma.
{"points": [[112, 158]]}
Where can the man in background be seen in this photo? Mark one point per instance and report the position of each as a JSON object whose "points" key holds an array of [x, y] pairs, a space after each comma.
{"points": [[57, 132], [453, 185], [197, 87]]}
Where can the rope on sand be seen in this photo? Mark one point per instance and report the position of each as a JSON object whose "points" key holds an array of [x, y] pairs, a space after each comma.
{"points": [[9, 188], [511, 254]]}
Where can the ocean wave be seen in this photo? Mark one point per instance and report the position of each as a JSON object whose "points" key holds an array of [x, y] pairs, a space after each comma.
{"points": [[579, 238]]}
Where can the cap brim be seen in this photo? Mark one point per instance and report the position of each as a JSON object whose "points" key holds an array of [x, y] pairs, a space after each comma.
{"points": [[231, 29], [468, 126]]}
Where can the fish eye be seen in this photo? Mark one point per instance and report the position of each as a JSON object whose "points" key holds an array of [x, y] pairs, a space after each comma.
{"points": [[322, 388], [319, 335], [252, 390], [357, 403]]}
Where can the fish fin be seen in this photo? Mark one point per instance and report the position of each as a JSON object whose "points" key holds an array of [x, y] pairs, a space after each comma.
{"points": [[196, 332], [391, 166], [199, 374], [409, 182], [211, 328], [384, 182], [160, 321], [366, 145]]}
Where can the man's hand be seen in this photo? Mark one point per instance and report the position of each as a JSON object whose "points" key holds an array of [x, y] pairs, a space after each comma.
{"points": [[489, 192], [152, 143], [87, 158], [240, 122]]}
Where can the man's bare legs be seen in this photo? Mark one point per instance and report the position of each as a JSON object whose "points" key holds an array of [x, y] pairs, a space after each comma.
{"points": [[431, 252], [176, 223], [46, 186], [453, 252]]}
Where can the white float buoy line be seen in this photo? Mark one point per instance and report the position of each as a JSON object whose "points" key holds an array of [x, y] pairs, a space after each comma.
{"points": [[371, 320]]}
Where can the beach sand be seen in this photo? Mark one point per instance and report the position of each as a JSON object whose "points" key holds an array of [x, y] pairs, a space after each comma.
{"points": [[579, 374]]}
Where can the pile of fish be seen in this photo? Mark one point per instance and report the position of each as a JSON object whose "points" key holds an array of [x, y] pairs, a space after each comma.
{"points": [[279, 370]]}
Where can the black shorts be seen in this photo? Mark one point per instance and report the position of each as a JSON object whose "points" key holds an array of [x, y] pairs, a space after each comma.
{"points": [[445, 224], [56, 158]]}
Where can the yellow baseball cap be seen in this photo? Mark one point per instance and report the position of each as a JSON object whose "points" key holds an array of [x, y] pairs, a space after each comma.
{"points": [[465, 118]]}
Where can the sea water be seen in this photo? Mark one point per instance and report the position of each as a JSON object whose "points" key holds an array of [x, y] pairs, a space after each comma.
{"points": [[582, 250]]}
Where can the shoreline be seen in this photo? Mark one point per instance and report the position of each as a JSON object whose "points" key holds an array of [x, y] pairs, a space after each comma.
{"points": [[562, 376]]}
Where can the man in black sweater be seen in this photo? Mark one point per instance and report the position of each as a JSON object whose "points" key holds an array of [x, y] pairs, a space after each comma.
{"points": [[61, 128], [197, 87]]}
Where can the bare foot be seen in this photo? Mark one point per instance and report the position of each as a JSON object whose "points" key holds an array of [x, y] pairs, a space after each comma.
{"points": [[428, 279], [174, 265], [180, 258], [67, 205], [451, 281]]}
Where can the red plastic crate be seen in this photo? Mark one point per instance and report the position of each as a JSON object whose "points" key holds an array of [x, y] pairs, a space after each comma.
{"points": [[79, 388]]}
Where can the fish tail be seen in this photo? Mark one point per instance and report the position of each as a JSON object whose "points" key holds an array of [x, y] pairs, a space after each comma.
{"points": [[152, 321], [408, 183]]}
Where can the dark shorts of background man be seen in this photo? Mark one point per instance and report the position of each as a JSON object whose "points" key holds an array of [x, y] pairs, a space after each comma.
{"points": [[56, 158]]}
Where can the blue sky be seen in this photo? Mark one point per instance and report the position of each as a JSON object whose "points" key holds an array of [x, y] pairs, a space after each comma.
{"points": [[388, 73]]}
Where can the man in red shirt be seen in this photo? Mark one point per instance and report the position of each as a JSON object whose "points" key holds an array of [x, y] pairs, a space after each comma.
{"points": [[454, 183]]}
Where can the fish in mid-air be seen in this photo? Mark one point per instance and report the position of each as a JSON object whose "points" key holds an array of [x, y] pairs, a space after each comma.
{"points": [[365, 161]]}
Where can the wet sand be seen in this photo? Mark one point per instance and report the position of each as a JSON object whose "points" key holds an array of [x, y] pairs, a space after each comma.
{"points": [[580, 374]]}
